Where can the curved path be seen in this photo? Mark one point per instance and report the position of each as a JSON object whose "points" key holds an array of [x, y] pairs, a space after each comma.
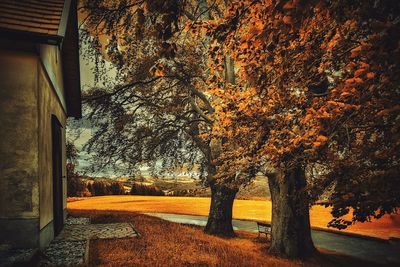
{"points": [[379, 251]]}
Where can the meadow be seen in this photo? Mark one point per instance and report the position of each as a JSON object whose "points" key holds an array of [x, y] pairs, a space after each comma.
{"points": [[164, 243], [257, 210]]}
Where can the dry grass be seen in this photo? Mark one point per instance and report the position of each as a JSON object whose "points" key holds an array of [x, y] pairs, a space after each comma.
{"points": [[388, 226], [164, 243]]}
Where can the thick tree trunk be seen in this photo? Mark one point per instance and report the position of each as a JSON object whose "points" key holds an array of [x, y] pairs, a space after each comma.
{"points": [[291, 233], [220, 215]]}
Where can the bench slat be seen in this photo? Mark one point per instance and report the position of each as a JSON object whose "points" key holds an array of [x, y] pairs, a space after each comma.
{"points": [[264, 228]]}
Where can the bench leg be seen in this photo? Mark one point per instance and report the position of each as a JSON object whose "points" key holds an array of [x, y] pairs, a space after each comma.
{"points": [[268, 236]]}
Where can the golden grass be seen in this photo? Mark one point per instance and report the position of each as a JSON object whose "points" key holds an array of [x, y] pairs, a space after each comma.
{"points": [[164, 243], [388, 226]]}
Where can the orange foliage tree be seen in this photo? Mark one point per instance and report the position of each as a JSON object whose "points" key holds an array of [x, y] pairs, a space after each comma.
{"points": [[313, 103], [315, 106]]}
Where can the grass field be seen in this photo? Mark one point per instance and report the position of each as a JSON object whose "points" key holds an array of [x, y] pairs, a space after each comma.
{"points": [[164, 243], [388, 226]]}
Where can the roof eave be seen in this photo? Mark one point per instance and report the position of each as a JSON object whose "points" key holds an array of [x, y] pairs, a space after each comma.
{"points": [[62, 28], [31, 36], [71, 70]]}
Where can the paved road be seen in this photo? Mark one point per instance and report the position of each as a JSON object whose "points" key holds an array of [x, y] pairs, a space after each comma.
{"points": [[379, 251]]}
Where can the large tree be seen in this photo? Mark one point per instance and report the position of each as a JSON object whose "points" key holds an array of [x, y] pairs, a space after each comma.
{"points": [[157, 112], [316, 106]]}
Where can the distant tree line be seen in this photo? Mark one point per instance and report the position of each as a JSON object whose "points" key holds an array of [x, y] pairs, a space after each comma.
{"points": [[146, 190], [198, 192], [77, 187]]}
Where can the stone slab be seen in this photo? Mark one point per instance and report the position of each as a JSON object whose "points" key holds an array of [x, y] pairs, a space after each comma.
{"points": [[71, 246]]}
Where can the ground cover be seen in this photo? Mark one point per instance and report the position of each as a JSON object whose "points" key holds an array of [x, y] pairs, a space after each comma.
{"points": [[260, 210], [163, 243]]}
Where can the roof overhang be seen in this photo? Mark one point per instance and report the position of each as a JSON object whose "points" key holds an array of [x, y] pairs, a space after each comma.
{"points": [[67, 38], [31, 36], [70, 55]]}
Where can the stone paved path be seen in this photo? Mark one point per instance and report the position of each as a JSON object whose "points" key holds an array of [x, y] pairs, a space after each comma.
{"points": [[71, 246], [96, 231], [15, 257]]}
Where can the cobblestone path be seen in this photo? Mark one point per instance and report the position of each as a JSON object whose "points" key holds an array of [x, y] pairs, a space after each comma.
{"points": [[71, 246]]}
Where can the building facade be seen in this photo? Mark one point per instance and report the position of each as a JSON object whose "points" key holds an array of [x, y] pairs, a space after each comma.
{"points": [[39, 89]]}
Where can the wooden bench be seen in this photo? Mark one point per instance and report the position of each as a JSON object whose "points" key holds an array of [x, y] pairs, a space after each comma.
{"points": [[264, 228]]}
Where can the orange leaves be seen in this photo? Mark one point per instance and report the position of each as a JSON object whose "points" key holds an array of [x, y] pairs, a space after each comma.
{"points": [[370, 75], [335, 103], [244, 45], [383, 113], [280, 48], [316, 144], [333, 42], [290, 4], [364, 65], [358, 80], [322, 138], [257, 28], [242, 106], [257, 43], [323, 114], [363, 71], [356, 51], [345, 94], [158, 73], [157, 70], [388, 111], [226, 121], [307, 118], [359, 72], [287, 19], [311, 111], [217, 91], [354, 81]]}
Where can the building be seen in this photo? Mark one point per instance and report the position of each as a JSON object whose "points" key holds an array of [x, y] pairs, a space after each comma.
{"points": [[39, 89]]}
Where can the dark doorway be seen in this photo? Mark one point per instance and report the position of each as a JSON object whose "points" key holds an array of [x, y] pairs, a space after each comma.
{"points": [[57, 175]]}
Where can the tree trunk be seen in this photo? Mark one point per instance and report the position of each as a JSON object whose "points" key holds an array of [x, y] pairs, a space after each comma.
{"points": [[291, 233], [220, 215]]}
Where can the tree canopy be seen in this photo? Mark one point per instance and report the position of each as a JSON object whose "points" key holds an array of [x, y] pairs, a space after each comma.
{"points": [[305, 88], [318, 87]]}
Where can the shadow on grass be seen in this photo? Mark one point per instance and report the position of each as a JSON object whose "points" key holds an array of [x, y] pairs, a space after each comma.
{"points": [[164, 243]]}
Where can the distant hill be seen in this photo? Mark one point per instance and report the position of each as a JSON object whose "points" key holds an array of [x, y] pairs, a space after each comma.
{"points": [[258, 189]]}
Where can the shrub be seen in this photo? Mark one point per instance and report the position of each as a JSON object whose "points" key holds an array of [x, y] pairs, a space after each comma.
{"points": [[100, 188], [103, 188], [76, 187], [90, 188], [117, 188], [146, 190]]}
